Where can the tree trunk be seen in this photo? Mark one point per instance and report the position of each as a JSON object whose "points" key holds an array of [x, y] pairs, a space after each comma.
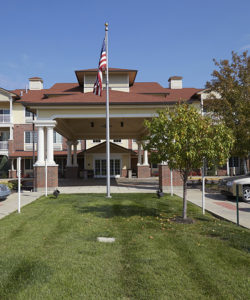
{"points": [[245, 166], [184, 213]]}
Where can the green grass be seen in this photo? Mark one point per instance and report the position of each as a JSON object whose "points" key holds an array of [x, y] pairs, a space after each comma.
{"points": [[49, 251]]}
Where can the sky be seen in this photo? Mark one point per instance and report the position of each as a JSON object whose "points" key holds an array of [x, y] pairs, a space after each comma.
{"points": [[159, 38]]}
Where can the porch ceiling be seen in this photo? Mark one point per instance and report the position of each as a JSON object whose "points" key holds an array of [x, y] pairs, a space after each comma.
{"points": [[95, 128]]}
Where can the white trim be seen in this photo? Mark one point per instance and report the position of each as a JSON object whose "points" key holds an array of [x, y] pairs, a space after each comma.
{"points": [[95, 106], [102, 156], [45, 122], [96, 116]]}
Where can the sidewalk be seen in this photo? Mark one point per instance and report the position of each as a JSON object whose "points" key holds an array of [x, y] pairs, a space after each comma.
{"points": [[219, 205], [214, 202], [9, 205]]}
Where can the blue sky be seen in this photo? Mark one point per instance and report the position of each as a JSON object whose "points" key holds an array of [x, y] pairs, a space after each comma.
{"points": [[159, 38]]}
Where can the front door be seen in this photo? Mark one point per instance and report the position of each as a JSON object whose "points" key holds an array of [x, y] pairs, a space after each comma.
{"points": [[100, 168]]}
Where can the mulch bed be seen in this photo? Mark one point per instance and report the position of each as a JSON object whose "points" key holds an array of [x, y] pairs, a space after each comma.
{"points": [[183, 221]]}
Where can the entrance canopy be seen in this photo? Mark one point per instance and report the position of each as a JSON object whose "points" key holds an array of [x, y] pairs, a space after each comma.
{"points": [[79, 114]]}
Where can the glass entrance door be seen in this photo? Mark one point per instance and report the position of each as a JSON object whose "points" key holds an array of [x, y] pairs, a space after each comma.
{"points": [[100, 167]]}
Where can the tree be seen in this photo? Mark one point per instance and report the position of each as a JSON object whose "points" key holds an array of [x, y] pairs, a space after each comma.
{"points": [[228, 96], [183, 137]]}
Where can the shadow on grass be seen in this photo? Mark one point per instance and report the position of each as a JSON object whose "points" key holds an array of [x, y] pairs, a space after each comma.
{"points": [[24, 273], [116, 210]]}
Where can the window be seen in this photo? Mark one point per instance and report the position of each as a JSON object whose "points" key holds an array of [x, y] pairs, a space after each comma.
{"points": [[28, 135], [117, 141], [28, 164], [57, 138], [4, 135], [96, 141], [234, 162], [28, 113], [4, 111], [4, 115]]}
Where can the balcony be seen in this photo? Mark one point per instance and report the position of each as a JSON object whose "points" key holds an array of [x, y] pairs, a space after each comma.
{"points": [[4, 118], [3, 145]]}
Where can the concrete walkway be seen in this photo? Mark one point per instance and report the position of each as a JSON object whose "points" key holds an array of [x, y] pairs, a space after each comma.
{"points": [[214, 202], [9, 205], [220, 206]]}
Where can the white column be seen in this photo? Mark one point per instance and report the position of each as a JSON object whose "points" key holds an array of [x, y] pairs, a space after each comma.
{"points": [[145, 158], [12, 164], [69, 158], [50, 146], [228, 170], [139, 153], [75, 154], [40, 146], [11, 118], [11, 133], [11, 109]]}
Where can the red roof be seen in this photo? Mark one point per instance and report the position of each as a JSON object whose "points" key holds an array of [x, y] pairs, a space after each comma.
{"points": [[147, 88], [181, 94], [141, 93], [30, 153], [66, 87], [115, 97]]}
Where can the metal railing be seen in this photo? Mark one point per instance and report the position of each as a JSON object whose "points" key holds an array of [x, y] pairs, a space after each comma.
{"points": [[3, 145], [4, 118]]}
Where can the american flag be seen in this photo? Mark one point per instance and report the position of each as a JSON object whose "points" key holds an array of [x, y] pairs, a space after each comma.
{"points": [[102, 66]]}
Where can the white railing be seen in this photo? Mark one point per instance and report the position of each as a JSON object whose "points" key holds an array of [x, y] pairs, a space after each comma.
{"points": [[57, 146], [29, 146], [4, 118], [3, 145]]}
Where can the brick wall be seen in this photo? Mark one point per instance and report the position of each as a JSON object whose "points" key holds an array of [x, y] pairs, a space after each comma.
{"points": [[18, 134], [129, 144], [10, 147], [124, 173], [221, 172], [143, 172], [164, 177], [39, 180]]}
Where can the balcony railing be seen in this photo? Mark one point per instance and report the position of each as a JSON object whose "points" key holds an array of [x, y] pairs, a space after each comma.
{"points": [[4, 118], [3, 145]]}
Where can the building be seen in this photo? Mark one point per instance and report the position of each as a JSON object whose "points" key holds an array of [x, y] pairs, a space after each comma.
{"points": [[65, 125]]}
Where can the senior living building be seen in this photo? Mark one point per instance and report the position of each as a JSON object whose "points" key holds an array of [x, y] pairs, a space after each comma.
{"points": [[64, 125]]}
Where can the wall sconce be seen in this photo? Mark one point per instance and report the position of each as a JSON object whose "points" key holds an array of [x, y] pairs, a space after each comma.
{"points": [[92, 124], [122, 124]]}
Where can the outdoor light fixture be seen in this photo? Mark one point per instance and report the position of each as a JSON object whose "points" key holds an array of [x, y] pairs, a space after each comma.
{"points": [[160, 193], [92, 124], [56, 193], [122, 124]]}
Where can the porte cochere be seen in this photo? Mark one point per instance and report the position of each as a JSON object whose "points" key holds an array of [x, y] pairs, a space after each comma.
{"points": [[73, 111]]}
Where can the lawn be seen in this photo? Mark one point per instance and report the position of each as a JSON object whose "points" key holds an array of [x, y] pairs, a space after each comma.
{"points": [[50, 251]]}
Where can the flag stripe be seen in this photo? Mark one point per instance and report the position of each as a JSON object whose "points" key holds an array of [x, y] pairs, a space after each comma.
{"points": [[101, 67]]}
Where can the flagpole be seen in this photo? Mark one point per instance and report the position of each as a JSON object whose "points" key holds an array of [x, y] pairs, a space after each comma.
{"points": [[107, 117]]}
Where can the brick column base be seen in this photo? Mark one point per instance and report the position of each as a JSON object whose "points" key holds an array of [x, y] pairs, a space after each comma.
{"points": [[71, 172], [124, 173], [143, 172], [10, 146], [12, 174], [165, 180], [39, 179]]}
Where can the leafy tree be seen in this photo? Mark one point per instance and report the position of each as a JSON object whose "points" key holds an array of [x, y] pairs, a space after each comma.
{"points": [[229, 99], [182, 137]]}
